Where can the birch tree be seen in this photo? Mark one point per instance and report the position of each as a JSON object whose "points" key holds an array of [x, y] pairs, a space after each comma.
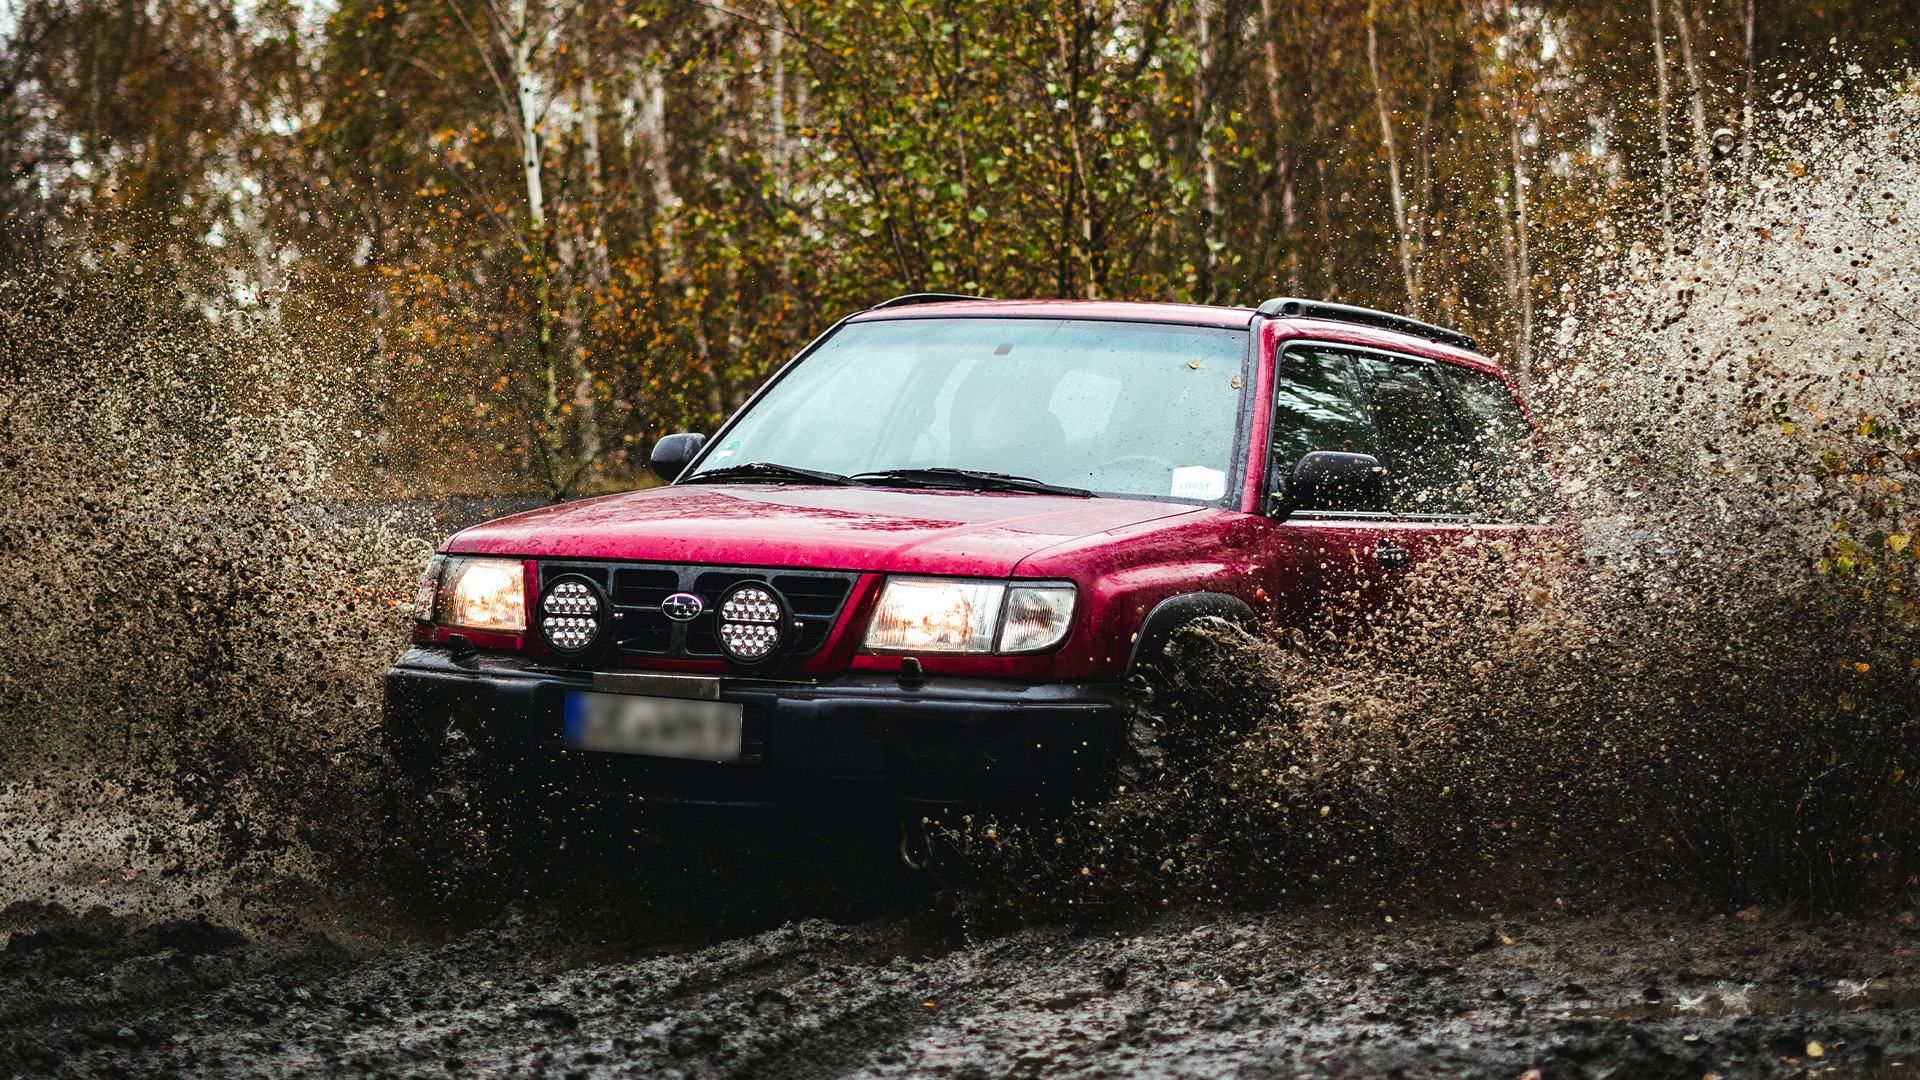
{"points": [[1406, 241], [1660, 75], [519, 42]]}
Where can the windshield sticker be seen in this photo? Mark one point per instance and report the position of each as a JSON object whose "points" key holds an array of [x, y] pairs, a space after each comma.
{"points": [[1198, 482], [727, 450]]}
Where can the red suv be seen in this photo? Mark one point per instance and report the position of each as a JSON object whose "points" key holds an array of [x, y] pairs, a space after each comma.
{"points": [[933, 552]]}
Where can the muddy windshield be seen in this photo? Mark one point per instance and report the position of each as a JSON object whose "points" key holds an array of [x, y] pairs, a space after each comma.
{"points": [[1136, 409]]}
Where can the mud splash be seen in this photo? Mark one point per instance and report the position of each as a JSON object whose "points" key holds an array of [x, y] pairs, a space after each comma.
{"points": [[1704, 683], [1702, 689], [190, 641]]}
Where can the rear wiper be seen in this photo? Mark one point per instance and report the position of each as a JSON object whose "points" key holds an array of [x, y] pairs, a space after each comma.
{"points": [[967, 480], [768, 472]]}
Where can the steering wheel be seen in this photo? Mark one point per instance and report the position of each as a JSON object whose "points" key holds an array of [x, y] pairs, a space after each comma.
{"points": [[1122, 463]]}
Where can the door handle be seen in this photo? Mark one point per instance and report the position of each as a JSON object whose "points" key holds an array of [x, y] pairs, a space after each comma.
{"points": [[1391, 555]]}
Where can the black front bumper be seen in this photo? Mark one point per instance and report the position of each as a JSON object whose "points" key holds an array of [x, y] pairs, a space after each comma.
{"points": [[954, 740]]}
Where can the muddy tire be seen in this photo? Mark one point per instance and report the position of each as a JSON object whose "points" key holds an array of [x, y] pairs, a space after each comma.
{"points": [[1180, 721]]}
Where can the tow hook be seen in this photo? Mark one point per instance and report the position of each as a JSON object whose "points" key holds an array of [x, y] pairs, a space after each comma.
{"points": [[462, 652]]}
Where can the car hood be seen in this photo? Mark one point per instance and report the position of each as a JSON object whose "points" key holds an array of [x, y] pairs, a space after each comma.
{"points": [[843, 528]]}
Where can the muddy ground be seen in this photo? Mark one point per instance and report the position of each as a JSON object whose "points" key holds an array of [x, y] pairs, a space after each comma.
{"points": [[559, 989]]}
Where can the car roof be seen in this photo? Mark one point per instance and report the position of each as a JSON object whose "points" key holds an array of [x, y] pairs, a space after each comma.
{"points": [[1189, 314], [1234, 318], [1345, 333]]}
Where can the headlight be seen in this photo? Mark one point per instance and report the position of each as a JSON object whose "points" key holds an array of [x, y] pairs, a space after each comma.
{"points": [[484, 594], [955, 615], [934, 615]]}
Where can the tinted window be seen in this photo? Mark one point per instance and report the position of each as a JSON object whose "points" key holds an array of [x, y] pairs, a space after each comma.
{"points": [[1121, 408], [1513, 485], [1421, 447], [1317, 406]]}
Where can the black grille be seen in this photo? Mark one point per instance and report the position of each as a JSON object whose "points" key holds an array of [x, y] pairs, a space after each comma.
{"points": [[645, 631]]}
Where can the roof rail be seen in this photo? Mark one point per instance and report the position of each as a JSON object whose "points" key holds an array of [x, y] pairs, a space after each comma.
{"points": [[1287, 307], [910, 299]]}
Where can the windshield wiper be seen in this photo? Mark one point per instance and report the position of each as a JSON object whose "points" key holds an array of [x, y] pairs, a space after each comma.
{"points": [[767, 472], [967, 480]]}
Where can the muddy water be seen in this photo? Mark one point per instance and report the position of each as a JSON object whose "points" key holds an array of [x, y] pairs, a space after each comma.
{"points": [[1698, 693]]}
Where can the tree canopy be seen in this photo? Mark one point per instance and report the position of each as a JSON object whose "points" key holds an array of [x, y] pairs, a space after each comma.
{"points": [[547, 231]]}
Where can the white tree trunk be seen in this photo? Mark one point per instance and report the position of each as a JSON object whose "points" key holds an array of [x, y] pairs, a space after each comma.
{"points": [[596, 181], [586, 404], [1270, 39], [1666, 147], [1209, 169], [521, 35], [520, 44], [777, 43], [1746, 106], [1702, 142], [1393, 165], [650, 115], [1523, 276]]}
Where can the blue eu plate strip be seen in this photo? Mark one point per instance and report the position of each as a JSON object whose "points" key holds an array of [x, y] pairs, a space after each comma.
{"points": [[573, 723]]}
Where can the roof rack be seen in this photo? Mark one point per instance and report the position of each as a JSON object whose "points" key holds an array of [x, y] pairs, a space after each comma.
{"points": [[1287, 307], [910, 299]]}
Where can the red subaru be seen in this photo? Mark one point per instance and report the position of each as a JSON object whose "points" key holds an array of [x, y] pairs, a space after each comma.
{"points": [[933, 552]]}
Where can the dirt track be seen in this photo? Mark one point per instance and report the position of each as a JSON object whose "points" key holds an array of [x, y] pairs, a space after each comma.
{"points": [[1291, 993]]}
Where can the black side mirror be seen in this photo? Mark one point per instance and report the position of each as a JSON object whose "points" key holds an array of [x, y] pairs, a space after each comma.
{"points": [[1326, 480], [673, 453]]}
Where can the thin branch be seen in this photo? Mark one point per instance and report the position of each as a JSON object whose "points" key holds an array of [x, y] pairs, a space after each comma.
{"points": [[486, 57]]}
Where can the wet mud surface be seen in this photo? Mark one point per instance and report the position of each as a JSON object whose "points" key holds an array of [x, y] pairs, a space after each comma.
{"points": [[1312, 992]]}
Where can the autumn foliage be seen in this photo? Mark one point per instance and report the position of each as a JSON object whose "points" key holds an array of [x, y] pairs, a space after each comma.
{"points": [[540, 233]]}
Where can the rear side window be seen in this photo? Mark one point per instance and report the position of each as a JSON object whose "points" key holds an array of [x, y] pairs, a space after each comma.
{"points": [[1513, 483]]}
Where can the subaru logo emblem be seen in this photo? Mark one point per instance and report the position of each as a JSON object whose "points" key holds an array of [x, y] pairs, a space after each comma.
{"points": [[683, 607]]}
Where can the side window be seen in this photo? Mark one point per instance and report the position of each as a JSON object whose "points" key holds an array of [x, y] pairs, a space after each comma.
{"points": [[1513, 484], [1425, 455], [1317, 406]]}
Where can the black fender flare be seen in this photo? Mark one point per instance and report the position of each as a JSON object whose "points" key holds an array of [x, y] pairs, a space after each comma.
{"points": [[1171, 614]]}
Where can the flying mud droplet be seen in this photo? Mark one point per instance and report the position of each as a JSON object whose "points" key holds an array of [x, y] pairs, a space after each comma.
{"points": [[1718, 636], [198, 604]]}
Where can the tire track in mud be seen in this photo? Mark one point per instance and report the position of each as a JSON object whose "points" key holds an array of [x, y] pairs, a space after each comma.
{"points": [[1294, 993]]}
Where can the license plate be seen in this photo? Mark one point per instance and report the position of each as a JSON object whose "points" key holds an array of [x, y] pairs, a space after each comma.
{"points": [[656, 727]]}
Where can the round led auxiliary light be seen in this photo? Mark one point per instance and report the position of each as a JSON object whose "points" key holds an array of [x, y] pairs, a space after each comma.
{"points": [[572, 616], [753, 623]]}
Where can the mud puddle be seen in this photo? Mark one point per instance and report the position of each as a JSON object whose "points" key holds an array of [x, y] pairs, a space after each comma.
{"points": [[1289, 993]]}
